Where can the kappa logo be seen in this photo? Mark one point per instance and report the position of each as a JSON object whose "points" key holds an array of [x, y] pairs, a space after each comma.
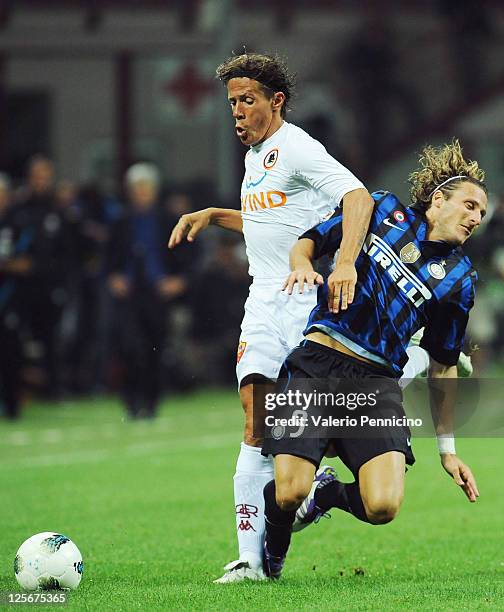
{"points": [[409, 253], [270, 159], [241, 349], [245, 526]]}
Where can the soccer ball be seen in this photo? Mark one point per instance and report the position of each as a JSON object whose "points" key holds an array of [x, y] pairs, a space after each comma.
{"points": [[48, 560]]}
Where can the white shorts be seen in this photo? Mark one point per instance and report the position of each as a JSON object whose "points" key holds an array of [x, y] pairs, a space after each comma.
{"points": [[272, 326]]}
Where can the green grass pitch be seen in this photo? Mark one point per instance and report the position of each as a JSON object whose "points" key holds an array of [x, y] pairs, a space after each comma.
{"points": [[150, 506]]}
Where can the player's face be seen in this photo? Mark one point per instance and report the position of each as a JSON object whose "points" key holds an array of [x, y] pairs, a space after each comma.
{"points": [[455, 218], [256, 116]]}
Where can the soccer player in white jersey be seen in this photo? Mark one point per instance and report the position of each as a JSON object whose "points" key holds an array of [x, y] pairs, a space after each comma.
{"points": [[290, 184]]}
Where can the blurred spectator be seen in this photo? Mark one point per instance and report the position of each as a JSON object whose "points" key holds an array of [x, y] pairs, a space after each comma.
{"points": [[66, 204], [218, 295], [5, 193], [14, 265], [333, 124], [177, 203], [469, 29], [145, 277], [486, 324], [43, 291], [379, 94], [87, 353]]}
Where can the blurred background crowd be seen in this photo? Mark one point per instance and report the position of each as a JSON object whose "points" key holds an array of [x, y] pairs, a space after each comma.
{"points": [[112, 126], [92, 301]]}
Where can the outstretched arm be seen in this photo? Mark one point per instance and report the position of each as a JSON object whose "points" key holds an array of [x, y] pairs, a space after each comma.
{"points": [[443, 389], [191, 224], [301, 257], [357, 210]]}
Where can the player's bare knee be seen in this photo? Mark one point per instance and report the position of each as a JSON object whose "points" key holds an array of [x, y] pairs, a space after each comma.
{"points": [[253, 433], [251, 439], [254, 422], [382, 509], [291, 494], [289, 501]]}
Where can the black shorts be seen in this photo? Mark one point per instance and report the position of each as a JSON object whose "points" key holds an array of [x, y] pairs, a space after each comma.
{"points": [[366, 432]]}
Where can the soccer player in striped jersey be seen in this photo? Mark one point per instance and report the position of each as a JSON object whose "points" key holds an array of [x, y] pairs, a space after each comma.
{"points": [[412, 273]]}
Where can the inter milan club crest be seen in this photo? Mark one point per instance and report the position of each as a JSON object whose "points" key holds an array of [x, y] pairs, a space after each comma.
{"points": [[436, 270], [241, 349], [409, 253], [271, 159]]}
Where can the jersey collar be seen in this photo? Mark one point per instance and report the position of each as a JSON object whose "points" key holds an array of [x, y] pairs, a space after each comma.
{"points": [[431, 248]]}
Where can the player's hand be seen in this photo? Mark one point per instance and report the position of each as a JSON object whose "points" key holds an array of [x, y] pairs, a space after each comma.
{"points": [[310, 277], [189, 225], [341, 287], [462, 475]]}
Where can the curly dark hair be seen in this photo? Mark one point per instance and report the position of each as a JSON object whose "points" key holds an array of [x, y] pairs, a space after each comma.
{"points": [[438, 164], [269, 70]]}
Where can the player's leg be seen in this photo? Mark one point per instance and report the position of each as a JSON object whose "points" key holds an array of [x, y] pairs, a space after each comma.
{"points": [[261, 352], [253, 471], [376, 458], [381, 486], [376, 495], [260, 356], [283, 496]]}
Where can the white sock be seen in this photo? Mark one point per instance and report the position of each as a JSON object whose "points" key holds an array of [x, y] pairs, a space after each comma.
{"points": [[418, 362], [253, 472]]}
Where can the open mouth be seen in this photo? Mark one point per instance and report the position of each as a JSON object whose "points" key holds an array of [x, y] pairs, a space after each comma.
{"points": [[241, 131], [466, 229]]}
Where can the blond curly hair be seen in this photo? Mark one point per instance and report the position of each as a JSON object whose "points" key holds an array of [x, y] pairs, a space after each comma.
{"points": [[438, 164]]}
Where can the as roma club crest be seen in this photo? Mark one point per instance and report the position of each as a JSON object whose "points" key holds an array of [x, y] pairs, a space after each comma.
{"points": [[241, 349], [270, 159], [409, 253]]}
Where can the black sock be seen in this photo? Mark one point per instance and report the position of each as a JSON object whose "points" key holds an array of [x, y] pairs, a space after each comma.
{"points": [[347, 497], [278, 523]]}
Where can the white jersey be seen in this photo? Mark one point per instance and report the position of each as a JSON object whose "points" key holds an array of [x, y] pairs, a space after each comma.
{"points": [[291, 183]]}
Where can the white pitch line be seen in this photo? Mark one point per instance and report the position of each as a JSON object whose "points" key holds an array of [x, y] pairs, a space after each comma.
{"points": [[107, 430], [97, 455], [19, 438]]}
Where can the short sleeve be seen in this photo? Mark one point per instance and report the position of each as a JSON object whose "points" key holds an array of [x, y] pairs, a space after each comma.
{"points": [[326, 235], [444, 334], [311, 162]]}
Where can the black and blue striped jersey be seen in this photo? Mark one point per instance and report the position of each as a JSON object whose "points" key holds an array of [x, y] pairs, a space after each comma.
{"points": [[405, 282]]}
